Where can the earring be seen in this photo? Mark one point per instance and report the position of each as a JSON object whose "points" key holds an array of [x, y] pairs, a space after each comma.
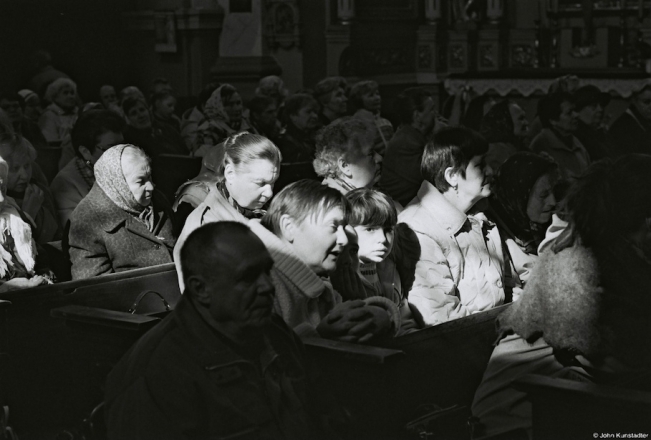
{"points": [[456, 188], [88, 163]]}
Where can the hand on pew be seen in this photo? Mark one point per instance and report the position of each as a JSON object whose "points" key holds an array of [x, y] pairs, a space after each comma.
{"points": [[354, 321], [24, 283]]}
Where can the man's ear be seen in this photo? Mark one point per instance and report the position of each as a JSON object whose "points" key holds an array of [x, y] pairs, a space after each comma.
{"points": [[343, 167], [451, 176], [197, 287], [287, 228], [85, 152]]}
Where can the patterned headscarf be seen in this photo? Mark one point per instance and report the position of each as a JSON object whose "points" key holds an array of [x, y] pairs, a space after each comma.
{"points": [[511, 192], [214, 107], [110, 177]]}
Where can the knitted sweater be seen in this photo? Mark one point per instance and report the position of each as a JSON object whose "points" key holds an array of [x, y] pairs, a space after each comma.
{"points": [[591, 301]]}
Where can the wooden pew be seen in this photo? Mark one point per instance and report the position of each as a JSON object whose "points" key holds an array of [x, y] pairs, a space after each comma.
{"points": [[444, 364], [382, 387], [47, 377], [569, 409]]}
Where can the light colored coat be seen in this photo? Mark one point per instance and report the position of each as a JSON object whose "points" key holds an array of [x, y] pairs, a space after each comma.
{"points": [[461, 265]]}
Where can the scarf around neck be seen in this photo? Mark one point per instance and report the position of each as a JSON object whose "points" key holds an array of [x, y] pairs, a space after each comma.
{"points": [[110, 178]]}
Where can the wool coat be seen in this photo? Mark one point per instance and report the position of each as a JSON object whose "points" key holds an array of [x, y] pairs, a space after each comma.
{"points": [[104, 238]]}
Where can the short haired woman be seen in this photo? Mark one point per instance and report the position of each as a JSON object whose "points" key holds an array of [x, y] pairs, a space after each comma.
{"points": [[584, 312], [59, 117], [304, 230], [122, 223], [345, 157], [461, 266], [366, 100], [31, 196]]}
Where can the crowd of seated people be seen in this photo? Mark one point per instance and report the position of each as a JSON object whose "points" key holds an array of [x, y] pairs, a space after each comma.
{"points": [[370, 233]]}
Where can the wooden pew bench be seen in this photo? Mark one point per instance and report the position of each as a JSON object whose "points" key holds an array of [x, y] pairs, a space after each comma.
{"points": [[382, 387], [569, 409], [46, 377], [444, 364]]}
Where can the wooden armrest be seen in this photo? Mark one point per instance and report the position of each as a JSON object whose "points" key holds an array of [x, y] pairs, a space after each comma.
{"points": [[103, 317], [553, 387], [4, 304], [362, 353]]}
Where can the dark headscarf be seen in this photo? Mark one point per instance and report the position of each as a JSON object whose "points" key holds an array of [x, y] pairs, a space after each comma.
{"points": [[497, 124], [110, 177], [511, 192]]}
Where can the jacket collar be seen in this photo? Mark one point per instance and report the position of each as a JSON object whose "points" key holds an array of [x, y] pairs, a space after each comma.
{"points": [[440, 209]]}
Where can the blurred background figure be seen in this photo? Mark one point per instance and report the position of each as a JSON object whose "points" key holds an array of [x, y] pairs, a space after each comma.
{"points": [[163, 105], [33, 108], [590, 104], [193, 116], [59, 117], [331, 93], [14, 105], [224, 116], [366, 101], [298, 142], [32, 196], [263, 113], [41, 61], [631, 132], [505, 127]]}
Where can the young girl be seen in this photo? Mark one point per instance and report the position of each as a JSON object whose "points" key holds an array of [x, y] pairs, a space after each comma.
{"points": [[373, 216]]}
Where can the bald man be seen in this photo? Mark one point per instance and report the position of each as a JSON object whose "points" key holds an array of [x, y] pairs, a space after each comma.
{"points": [[221, 365]]}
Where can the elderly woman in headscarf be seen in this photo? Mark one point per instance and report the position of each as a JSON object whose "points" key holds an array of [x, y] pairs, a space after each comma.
{"points": [[17, 247], [123, 223], [224, 117], [504, 127]]}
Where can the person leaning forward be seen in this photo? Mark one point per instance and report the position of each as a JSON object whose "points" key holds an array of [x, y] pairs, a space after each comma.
{"points": [[222, 365]]}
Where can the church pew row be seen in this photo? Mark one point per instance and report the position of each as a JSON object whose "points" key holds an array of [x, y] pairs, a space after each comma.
{"points": [[382, 387], [564, 408], [45, 378]]}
